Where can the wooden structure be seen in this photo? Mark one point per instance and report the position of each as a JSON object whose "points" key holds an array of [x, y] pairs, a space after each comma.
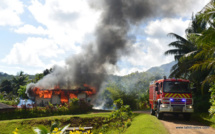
{"points": [[82, 129], [6, 108], [59, 96]]}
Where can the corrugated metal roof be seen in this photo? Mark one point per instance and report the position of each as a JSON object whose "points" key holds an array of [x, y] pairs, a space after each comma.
{"points": [[5, 106]]}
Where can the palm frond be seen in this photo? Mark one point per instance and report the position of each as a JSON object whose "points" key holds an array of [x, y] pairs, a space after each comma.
{"points": [[205, 65], [190, 53], [174, 52], [208, 12], [177, 44], [177, 57], [207, 51], [207, 36], [196, 26], [178, 37], [209, 79], [174, 67]]}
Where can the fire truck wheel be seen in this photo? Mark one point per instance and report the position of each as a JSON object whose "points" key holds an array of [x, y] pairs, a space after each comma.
{"points": [[152, 112], [158, 114], [187, 116]]}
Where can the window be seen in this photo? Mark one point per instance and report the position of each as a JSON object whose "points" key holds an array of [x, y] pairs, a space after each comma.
{"points": [[176, 87]]}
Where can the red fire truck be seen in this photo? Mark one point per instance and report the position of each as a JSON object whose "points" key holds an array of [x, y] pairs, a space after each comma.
{"points": [[170, 96]]}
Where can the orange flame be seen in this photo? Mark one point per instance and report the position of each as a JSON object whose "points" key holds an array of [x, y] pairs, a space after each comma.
{"points": [[64, 95], [57, 92], [71, 96], [47, 94], [93, 90], [36, 90], [64, 98]]}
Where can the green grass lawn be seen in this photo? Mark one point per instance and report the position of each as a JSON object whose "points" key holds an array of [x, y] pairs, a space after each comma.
{"points": [[141, 124], [146, 124], [106, 114], [25, 125]]}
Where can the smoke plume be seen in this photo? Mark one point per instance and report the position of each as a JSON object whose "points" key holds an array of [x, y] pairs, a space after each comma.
{"points": [[112, 40]]}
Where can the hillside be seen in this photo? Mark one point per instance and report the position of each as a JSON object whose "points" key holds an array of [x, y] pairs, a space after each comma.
{"points": [[128, 86], [137, 80], [140, 80], [163, 70], [5, 76]]}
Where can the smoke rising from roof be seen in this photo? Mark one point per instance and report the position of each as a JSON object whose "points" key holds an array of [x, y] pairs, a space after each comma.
{"points": [[112, 40]]}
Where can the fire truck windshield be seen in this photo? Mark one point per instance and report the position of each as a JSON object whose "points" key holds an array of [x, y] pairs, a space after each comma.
{"points": [[176, 87]]}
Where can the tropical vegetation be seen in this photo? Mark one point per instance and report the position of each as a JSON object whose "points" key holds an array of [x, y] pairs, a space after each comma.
{"points": [[74, 107], [195, 60], [195, 56]]}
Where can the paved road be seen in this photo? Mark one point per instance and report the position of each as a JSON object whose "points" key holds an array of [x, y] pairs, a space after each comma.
{"points": [[177, 125]]}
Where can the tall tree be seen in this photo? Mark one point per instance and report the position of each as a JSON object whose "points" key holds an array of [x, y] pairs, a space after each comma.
{"points": [[21, 92], [206, 43], [197, 64], [182, 47], [47, 71], [6, 85], [185, 49], [20, 80], [38, 77]]}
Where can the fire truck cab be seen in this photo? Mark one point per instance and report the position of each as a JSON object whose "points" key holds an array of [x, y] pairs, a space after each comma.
{"points": [[170, 96]]}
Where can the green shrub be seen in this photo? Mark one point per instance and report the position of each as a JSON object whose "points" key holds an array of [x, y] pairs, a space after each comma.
{"points": [[212, 101], [120, 117], [74, 107], [201, 103], [10, 102]]}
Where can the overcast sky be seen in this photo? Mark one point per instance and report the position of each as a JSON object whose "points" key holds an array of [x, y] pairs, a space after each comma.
{"points": [[37, 34]]}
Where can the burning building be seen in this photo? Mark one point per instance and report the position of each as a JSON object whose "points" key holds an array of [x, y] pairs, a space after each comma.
{"points": [[114, 38], [56, 96]]}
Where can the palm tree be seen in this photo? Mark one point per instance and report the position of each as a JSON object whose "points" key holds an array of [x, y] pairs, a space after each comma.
{"points": [[206, 43], [197, 25], [182, 46], [185, 53], [185, 49], [208, 12], [20, 79]]}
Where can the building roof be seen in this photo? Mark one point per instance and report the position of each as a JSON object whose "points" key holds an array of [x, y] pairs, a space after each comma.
{"points": [[5, 106], [71, 90]]}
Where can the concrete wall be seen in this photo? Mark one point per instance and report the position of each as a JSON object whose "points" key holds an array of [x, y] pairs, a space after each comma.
{"points": [[42, 101], [55, 99], [82, 96]]}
